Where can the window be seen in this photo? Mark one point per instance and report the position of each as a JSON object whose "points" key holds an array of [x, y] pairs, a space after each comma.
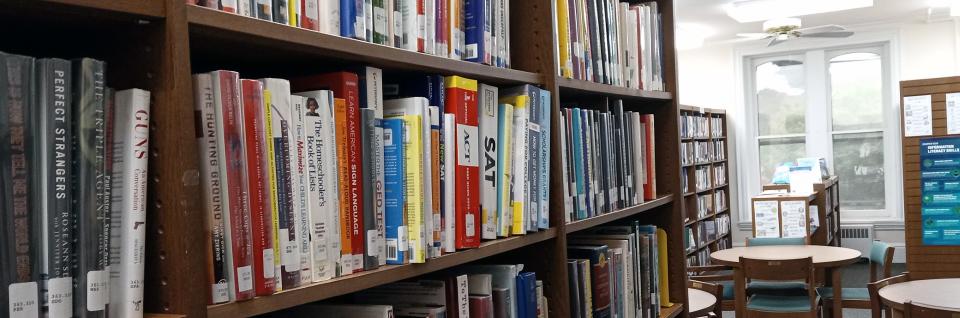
{"points": [[830, 103]]}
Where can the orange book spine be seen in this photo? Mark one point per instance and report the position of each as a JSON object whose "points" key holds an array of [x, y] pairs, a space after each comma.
{"points": [[343, 178]]}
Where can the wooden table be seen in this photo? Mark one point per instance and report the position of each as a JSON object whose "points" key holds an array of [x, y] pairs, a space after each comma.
{"points": [[944, 293], [701, 302], [824, 257]]}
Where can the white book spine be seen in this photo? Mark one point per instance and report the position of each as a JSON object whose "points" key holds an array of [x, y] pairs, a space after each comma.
{"points": [[449, 187], [330, 17], [301, 214], [319, 195], [408, 12], [368, 20], [430, 27], [432, 218], [488, 95], [128, 230], [280, 105], [639, 157], [519, 182], [222, 179]]}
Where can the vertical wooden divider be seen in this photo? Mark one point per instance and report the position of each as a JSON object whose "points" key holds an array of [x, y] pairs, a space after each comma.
{"points": [[176, 263]]}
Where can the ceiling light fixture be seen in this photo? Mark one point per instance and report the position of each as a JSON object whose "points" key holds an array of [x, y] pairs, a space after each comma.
{"points": [[760, 10]]}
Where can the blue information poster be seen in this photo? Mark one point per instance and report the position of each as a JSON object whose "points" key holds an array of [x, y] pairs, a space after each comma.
{"points": [[940, 182]]}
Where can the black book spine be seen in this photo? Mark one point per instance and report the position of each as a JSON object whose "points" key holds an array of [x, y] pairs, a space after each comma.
{"points": [[368, 121], [18, 250], [52, 151], [89, 146]]}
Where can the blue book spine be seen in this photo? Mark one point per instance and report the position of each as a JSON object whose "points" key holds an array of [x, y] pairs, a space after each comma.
{"points": [[475, 25], [348, 18], [578, 163], [585, 139], [394, 190], [533, 158], [544, 221], [527, 282]]}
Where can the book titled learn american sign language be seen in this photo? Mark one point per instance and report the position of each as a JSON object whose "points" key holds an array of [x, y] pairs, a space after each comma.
{"points": [[73, 165], [323, 176]]}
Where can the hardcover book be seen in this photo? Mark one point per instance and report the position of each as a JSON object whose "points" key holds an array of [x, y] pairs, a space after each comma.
{"points": [[258, 183], [504, 169], [488, 107], [519, 182], [413, 111], [301, 217], [449, 186], [212, 188], [599, 276], [322, 185], [462, 102]]}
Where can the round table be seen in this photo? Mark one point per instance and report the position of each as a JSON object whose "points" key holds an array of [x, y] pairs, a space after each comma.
{"points": [[943, 293], [826, 257], [701, 302]]}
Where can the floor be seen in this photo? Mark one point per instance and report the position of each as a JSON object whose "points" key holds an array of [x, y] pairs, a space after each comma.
{"points": [[856, 275]]}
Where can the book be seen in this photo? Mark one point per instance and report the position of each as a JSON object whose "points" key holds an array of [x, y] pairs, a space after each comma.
{"points": [[504, 286], [458, 296], [599, 286], [449, 185], [462, 102], [424, 311], [322, 183], [347, 250], [481, 306], [504, 216], [649, 156], [488, 99], [519, 184], [370, 219], [527, 295], [310, 14], [426, 292], [395, 190], [409, 26], [258, 183], [19, 289], [573, 277], [413, 111], [52, 153], [280, 122], [281, 11], [381, 33], [329, 19], [352, 20], [370, 85], [207, 136], [90, 190], [477, 31], [543, 191], [502, 302], [128, 207], [301, 216], [435, 220]]}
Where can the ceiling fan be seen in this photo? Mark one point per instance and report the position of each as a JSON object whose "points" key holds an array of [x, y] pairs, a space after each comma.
{"points": [[781, 30]]}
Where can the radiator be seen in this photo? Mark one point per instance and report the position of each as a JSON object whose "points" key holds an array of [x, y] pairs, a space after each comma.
{"points": [[858, 237]]}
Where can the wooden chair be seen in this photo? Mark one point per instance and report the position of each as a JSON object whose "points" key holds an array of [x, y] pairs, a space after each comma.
{"points": [[720, 275], [762, 304], [780, 288], [714, 289], [918, 310], [881, 258], [876, 304], [765, 241]]}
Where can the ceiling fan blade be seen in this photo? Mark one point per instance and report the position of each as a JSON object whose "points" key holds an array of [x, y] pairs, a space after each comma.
{"points": [[822, 28], [774, 41], [841, 34], [754, 35]]}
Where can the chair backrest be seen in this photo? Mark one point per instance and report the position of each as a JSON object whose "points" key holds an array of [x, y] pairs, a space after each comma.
{"points": [[881, 257], [714, 289], [918, 310], [765, 241], [782, 270], [876, 304]]}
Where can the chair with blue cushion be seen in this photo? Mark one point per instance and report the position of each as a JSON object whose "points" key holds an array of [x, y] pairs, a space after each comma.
{"points": [[761, 304], [767, 241], [782, 288], [881, 257], [877, 308], [720, 275]]}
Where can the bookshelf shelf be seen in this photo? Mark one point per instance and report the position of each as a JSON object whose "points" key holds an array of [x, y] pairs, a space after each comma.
{"points": [[617, 215], [213, 30], [672, 311], [145, 8], [386, 274], [574, 87]]}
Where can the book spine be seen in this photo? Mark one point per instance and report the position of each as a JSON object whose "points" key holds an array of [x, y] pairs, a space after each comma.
{"points": [[280, 12], [449, 186], [488, 95], [281, 123], [329, 16], [380, 23], [257, 187], [454, 14], [367, 20], [343, 179], [462, 102], [263, 9], [474, 18], [19, 292], [436, 213], [398, 23], [408, 12], [441, 28], [650, 185], [421, 26], [356, 177], [53, 153], [367, 124], [374, 97], [430, 26], [565, 174], [207, 135], [244, 8], [415, 165], [128, 215], [563, 30], [504, 169], [301, 215], [394, 191], [316, 198], [533, 159], [89, 147], [310, 17], [270, 159], [293, 12], [543, 220], [348, 18], [228, 5], [519, 182]]}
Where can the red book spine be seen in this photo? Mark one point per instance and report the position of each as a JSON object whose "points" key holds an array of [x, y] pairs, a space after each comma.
{"points": [[481, 306], [650, 186], [461, 100], [306, 21], [236, 185], [257, 186], [345, 85], [421, 29]]}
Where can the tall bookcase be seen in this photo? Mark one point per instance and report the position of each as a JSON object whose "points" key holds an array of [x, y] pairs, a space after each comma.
{"points": [[706, 190], [157, 45]]}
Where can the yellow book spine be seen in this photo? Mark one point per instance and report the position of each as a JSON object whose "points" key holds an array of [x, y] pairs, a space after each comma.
{"points": [[505, 158], [292, 8], [460, 82], [414, 165], [563, 26], [664, 275], [272, 173], [518, 179]]}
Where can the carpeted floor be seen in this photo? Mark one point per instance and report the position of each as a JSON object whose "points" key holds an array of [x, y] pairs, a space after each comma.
{"points": [[856, 275]]}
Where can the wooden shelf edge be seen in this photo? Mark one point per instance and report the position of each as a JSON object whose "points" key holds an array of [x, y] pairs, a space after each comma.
{"points": [[149, 315], [588, 87], [672, 311], [216, 24], [619, 214], [385, 274], [146, 8]]}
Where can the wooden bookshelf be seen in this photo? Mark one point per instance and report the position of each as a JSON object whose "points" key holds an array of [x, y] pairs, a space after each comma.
{"points": [[158, 44], [827, 200], [690, 201]]}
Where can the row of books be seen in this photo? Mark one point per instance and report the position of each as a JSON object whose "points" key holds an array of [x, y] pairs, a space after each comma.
{"points": [[333, 174], [480, 291], [695, 152], [700, 234], [720, 174], [716, 127], [684, 181], [723, 224], [618, 271], [700, 258], [704, 205], [695, 125], [470, 30], [608, 160], [702, 178], [719, 150], [73, 156], [720, 200], [610, 42]]}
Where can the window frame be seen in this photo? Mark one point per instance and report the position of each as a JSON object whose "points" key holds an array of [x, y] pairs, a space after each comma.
{"points": [[819, 126]]}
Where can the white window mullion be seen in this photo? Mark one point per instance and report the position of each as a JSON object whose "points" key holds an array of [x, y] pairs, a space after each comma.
{"points": [[818, 112]]}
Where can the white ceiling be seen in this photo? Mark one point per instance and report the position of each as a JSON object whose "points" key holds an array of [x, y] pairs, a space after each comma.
{"points": [[710, 14]]}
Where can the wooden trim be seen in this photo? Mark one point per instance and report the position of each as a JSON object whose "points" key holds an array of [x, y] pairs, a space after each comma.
{"points": [[619, 214], [574, 87]]}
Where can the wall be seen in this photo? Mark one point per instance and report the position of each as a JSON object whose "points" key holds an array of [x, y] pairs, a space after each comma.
{"points": [[707, 78]]}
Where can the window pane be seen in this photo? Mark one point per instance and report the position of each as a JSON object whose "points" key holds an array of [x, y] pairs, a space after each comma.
{"points": [[775, 151], [781, 98], [856, 86], [858, 161]]}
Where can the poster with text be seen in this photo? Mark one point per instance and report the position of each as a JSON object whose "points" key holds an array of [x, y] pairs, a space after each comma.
{"points": [[940, 193]]}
